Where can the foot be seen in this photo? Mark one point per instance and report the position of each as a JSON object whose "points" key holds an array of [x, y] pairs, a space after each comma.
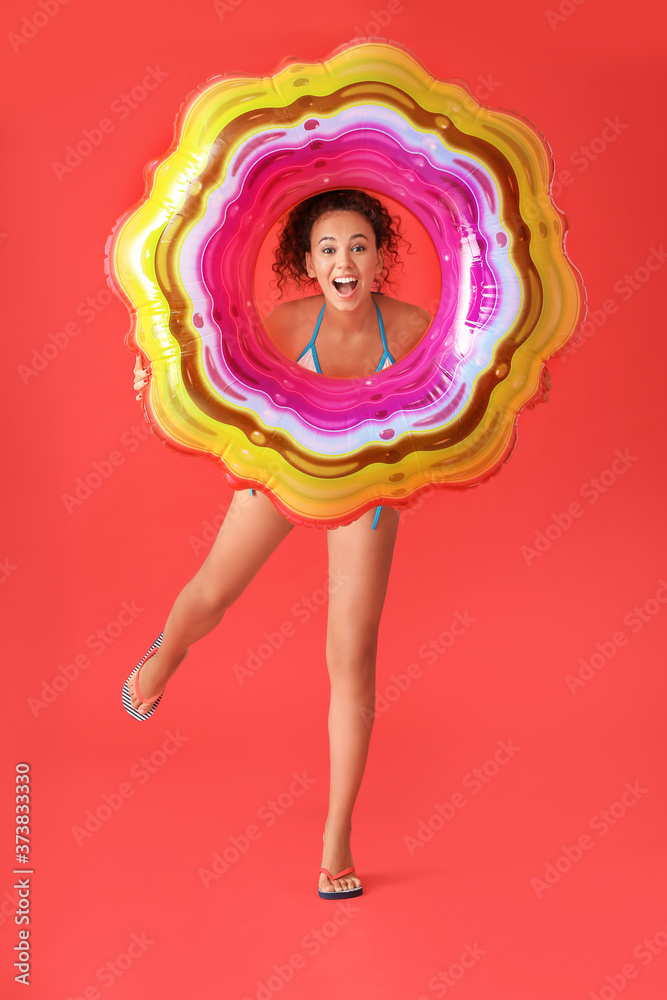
{"points": [[153, 680], [337, 856]]}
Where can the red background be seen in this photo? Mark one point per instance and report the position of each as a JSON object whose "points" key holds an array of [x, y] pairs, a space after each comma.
{"points": [[139, 537]]}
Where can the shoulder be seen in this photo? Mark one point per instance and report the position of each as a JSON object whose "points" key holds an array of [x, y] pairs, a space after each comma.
{"points": [[290, 321], [405, 324]]}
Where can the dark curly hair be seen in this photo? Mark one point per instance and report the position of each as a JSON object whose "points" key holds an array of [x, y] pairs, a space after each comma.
{"points": [[294, 237]]}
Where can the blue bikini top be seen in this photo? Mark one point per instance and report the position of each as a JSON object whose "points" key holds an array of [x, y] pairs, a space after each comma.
{"points": [[385, 360]]}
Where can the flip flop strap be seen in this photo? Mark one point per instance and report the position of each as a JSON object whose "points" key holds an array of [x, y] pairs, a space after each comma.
{"points": [[146, 701], [346, 871]]}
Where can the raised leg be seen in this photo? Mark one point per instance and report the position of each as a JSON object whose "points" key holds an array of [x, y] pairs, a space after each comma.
{"points": [[361, 557], [251, 531]]}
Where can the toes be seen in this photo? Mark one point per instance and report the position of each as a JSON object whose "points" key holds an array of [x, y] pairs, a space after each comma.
{"points": [[339, 885], [345, 884], [133, 693], [137, 705]]}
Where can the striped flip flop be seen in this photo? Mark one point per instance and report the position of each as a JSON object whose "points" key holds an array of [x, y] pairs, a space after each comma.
{"points": [[155, 700]]}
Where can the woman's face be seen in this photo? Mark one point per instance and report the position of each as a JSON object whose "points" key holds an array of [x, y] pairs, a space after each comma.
{"points": [[344, 258]]}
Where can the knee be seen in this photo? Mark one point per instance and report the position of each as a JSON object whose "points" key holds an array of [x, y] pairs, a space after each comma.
{"points": [[208, 600], [349, 637], [352, 661]]}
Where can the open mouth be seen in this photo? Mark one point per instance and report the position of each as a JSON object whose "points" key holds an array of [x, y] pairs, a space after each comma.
{"points": [[345, 286]]}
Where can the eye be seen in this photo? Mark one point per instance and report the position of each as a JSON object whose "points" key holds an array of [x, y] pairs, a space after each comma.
{"points": [[327, 249], [359, 246]]}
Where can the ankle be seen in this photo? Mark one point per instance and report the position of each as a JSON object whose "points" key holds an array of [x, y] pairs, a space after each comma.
{"points": [[337, 830], [166, 661]]}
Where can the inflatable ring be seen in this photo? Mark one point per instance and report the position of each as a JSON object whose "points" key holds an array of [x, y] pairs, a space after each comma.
{"points": [[246, 150]]}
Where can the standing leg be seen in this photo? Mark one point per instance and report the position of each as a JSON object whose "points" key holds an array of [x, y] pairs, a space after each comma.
{"points": [[362, 558], [252, 529]]}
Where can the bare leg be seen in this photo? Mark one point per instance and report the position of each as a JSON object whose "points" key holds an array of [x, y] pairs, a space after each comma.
{"points": [[252, 529], [362, 558]]}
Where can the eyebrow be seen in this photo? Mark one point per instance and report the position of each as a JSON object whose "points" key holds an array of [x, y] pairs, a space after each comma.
{"points": [[354, 237]]}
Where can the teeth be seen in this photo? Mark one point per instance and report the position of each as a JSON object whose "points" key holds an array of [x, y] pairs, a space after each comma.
{"points": [[341, 281]]}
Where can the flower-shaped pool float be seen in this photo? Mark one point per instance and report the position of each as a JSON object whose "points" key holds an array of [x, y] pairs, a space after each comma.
{"points": [[246, 150]]}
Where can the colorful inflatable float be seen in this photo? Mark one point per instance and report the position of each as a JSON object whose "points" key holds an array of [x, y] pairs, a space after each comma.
{"points": [[246, 150]]}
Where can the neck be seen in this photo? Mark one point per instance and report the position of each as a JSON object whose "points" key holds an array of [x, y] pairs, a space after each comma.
{"points": [[361, 320]]}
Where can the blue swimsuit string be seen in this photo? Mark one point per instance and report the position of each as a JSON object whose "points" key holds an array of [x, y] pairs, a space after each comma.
{"points": [[316, 360], [375, 519], [311, 344]]}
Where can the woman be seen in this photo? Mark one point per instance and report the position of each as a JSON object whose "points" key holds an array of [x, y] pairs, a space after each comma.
{"points": [[343, 240]]}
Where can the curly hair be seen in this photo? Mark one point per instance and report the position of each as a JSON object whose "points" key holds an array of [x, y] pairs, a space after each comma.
{"points": [[294, 237]]}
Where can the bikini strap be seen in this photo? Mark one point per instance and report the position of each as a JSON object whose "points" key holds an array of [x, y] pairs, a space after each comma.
{"points": [[386, 352], [311, 343], [382, 333], [319, 323]]}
